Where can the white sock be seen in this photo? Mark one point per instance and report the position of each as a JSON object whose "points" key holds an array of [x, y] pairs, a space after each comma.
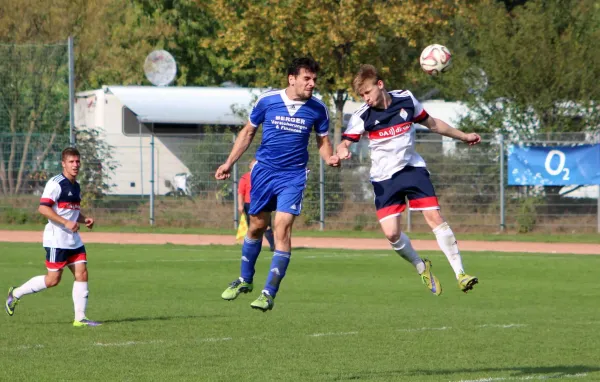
{"points": [[404, 248], [448, 245], [34, 285], [80, 298]]}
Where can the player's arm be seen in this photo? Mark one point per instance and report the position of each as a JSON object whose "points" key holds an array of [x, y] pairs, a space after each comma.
{"points": [[326, 151], [240, 146], [87, 220], [343, 149], [49, 214], [438, 126]]}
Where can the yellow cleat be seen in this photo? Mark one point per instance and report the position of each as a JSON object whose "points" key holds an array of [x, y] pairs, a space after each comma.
{"points": [[466, 282], [432, 282]]}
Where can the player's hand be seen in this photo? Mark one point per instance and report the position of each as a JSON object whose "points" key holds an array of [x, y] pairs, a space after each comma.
{"points": [[223, 172], [89, 222], [472, 139], [72, 226], [241, 211], [343, 152], [333, 161]]}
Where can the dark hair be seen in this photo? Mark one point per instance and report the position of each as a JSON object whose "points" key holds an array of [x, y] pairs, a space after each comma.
{"points": [[365, 73], [307, 63], [70, 152]]}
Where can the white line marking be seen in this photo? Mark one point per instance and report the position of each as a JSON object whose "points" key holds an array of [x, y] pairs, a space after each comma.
{"points": [[128, 343], [216, 339], [506, 326], [527, 378], [424, 329], [332, 334]]}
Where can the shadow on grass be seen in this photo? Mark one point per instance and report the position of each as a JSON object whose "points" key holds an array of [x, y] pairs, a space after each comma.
{"points": [[157, 318], [523, 372]]}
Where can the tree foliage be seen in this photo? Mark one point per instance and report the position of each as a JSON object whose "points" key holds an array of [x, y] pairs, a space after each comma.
{"points": [[262, 37], [529, 71]]}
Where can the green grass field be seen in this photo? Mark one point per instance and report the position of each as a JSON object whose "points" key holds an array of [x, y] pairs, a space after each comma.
{"points": [[339, 316]]}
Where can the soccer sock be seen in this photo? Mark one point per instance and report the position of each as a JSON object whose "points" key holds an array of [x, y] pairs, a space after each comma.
{"points": [[250, 251], [448, 244], [404, 248], [80, 299], [279, 265], [270, 238], [34, 285]]}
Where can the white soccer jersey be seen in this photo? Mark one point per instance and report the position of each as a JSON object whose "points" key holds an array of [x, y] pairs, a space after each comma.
{"points": [[64, 197], [391, 134]]}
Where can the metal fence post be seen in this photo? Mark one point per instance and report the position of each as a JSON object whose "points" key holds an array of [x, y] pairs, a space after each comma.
{"points": [[152, 178], [321, 195], [502, 212], [236, 217], [71, 54]]}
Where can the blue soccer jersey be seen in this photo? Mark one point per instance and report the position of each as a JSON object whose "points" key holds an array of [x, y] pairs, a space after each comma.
{"points": [[287, 125]]}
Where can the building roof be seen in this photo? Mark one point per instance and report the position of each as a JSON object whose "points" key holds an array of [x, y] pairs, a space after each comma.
{"points": [[187, 105]]}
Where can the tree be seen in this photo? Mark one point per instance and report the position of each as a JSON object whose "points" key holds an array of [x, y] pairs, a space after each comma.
{"points": [[34, 71], [262, 37], [529, 71]]}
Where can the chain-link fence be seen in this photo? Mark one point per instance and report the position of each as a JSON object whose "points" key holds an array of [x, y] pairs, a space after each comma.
{"points": [[118, 178]]}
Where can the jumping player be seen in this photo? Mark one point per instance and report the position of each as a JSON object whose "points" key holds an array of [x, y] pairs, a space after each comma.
{"points": [[64, 248], [279, 177], [398, 171]]}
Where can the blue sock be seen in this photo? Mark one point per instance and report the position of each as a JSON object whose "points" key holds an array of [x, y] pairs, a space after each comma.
{"points": [[250, 251], [279, 265], [270, 238]]}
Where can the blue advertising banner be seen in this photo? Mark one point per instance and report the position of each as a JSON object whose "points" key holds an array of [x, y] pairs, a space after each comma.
{"points": [[553, 166]]}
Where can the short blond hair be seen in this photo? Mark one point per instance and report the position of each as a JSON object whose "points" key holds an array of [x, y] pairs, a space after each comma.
{"points": [[365, 73]]}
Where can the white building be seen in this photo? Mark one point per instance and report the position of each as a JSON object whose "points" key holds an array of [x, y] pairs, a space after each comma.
{"points": [[126, 116]]}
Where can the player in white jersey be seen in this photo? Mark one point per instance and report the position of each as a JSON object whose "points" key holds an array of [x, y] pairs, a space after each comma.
{"points": [[398, 171], [60, 203], [278, 179]]}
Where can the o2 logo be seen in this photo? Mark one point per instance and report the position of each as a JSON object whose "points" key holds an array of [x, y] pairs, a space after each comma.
{"points": [[561, 164]]}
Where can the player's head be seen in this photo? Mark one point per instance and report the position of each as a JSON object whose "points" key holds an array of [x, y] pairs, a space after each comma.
{"points": [[302, 77], [71, 162], [369, 85]]}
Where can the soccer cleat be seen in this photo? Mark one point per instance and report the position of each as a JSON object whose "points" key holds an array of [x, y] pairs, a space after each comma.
{"points": [[11, 302], [432, 282], [264, 302], [85, 322], [235, 288], [466, 282]]}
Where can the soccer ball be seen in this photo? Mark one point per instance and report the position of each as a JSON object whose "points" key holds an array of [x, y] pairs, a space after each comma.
{"points": [[435, 59]]}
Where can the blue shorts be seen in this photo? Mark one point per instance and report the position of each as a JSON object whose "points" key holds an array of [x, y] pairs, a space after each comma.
{"points": [[410, 182], [58, 258], [276, 190]]}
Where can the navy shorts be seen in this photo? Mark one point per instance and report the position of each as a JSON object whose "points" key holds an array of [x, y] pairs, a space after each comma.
{"points": [[58, 258], [275, 190], [410, 183]]}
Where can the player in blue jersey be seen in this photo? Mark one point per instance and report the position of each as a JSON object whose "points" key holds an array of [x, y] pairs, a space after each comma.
{"points": [[288, 117], [398, 172]]}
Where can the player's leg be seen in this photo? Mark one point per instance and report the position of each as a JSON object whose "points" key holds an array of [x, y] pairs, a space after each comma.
{"points": [[262, 201], [423, 198], [390, 203], [289, 188], [55, 262], [449, 245], [78, 266]]}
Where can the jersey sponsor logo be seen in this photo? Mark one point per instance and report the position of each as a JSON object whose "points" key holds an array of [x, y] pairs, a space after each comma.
{"points": [[392, 131], [69, 205]]}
